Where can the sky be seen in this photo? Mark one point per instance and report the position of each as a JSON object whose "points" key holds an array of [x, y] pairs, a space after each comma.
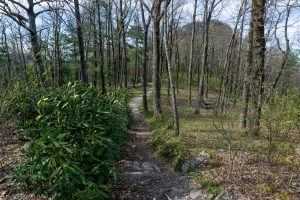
{"points": [[227, 12]]}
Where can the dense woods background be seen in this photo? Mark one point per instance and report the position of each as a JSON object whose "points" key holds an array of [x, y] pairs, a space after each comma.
{"points": [[114, 44], [227, 56]]}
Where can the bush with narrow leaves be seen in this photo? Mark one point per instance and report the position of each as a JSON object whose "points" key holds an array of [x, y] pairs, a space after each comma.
{"points": [[75, 136]]}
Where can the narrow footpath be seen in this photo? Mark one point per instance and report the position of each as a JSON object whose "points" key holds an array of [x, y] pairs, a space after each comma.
{"points": [[146, 175]]}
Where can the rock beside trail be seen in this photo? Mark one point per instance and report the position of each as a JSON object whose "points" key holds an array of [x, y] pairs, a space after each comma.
{"points": [[194, 162], [191, 163], [226, 195]]}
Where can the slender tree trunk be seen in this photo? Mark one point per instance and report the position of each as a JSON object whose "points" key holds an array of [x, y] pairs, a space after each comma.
{"points": [[228, 59], [95, 44], [246, 86], [135, 70], [177, 60], [23, 54], [9, 70], [285, 52], [170, 75], [190, 78], [156, 58], [57, 56], [101, 53], [83, 71], [145, 57], [207, 15], [239, 59]]}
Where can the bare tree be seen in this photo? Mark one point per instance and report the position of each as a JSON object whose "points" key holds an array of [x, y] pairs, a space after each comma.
{"points": [[285, 52], [9, 64], [246, 81], [156, 16], [192, 53], [100, 47], [146, 23], [13, 10], [79, 31], [228, 59], [170, 72], [209, 7]]}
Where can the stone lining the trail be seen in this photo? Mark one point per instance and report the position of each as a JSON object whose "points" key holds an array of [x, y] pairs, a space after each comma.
{"points": [[195, 194], [226, 195], [191, 164], [136, 166], [194, 162]]}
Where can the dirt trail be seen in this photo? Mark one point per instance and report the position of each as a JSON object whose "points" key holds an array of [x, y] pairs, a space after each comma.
{"points": [[144, 174]]}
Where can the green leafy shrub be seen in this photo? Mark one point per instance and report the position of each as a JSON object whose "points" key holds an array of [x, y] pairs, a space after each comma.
{"points": [[282, 116], [75, 135], [21, 102]]}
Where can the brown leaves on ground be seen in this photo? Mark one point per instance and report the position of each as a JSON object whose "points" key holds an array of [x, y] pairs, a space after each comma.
{"points": [[10, 148]]}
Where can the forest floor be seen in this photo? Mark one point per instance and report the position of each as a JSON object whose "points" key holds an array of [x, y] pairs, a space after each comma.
{"points": [[146, 175], [10, 148], [247, 165], [238, 162]]}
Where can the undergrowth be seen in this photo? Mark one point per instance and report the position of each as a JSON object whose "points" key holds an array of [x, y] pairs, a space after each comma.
{"points": [[208, 184], [74, 135], [167, 143]]}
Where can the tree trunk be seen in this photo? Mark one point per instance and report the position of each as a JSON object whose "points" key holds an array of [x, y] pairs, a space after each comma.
{"points": [[192, 53], [83, 72], [239, 59], [156, 59], [7, 55], [246, 86], [170, 76], [36, 48], [258, 9], [200, 100], [101, 54], [23, 55], [145, 58]]}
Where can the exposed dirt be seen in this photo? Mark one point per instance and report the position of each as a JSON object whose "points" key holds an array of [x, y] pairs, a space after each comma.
{"points": [[143, 185]]}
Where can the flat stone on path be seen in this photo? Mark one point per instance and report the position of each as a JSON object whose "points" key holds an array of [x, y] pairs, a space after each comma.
{"points": [[147, 166], [136, 166]]}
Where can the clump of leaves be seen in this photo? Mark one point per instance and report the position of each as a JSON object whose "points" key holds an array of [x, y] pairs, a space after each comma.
{"points": [[20, 103], [75, 135], [208, 184], [282, 119], [282, 115]]}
